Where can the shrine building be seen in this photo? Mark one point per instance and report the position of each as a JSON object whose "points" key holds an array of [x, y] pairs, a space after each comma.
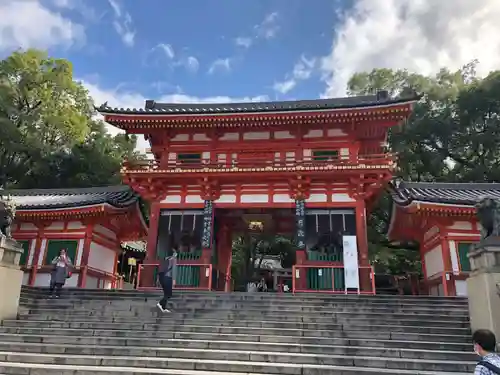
{"points": [[89, 223], [441, 217], [308, 169]]}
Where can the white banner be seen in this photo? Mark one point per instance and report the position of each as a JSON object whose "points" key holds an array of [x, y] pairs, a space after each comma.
{"points": [[351, 270]]}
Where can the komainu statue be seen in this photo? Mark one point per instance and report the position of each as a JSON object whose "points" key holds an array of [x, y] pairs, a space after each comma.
{"points": [[488, 213], [7, 215]]}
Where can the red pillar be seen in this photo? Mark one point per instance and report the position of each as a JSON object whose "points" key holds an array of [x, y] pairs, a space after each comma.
{"points": [[38, 249], [362, 240], [147, 273], [82, 276]]}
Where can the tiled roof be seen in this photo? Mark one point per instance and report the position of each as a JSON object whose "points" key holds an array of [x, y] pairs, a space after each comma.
{"points": [[404, 193], [154, 108], [36, 199], [139, 246]]}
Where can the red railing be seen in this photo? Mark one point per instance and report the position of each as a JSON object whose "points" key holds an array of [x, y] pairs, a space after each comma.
{"points": [[256, 163], [189, 276], [330, 279], [108, 280]]}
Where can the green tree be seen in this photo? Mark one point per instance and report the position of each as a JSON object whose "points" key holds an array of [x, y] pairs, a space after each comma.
{"points": [[453, 135], [49, 136], [42, 112]]}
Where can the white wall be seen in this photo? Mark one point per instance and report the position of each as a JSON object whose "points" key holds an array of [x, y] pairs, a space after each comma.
{"points": [[101, 258], [434, 261]]}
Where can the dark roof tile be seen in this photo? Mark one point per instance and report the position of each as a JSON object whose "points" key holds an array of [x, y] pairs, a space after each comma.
{"points": [[36, 199], [404, 193], [151, 107]]}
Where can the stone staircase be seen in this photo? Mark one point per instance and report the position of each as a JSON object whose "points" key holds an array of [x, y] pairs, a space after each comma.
{"points": [[120, 332]]}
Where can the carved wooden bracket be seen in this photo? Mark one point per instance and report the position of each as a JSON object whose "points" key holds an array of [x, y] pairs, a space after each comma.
{"points": [[365, 187], [210, 189], [149, 188], [300, 187]]}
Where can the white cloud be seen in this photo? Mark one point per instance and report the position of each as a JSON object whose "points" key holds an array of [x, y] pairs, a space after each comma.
{"points": [[418, 35], [123, 24], [191, 63], [129, 99], [220, 65], [243, 42], [167, 49], [302, 71], [27, 24], [269, 27]]}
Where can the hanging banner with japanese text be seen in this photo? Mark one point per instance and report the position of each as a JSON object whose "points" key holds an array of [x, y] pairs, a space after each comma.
{"points": [[300, 219], [206, 239]]}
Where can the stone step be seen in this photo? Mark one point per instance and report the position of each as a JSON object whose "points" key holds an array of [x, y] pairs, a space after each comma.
{"points": [[316, 345], [244, 315], [235, 349], [157, 330], [253, 307], [17, 368], [263, 302], [174, 323], [250, 362], [277, 309], [109, 294], [285, 321]]}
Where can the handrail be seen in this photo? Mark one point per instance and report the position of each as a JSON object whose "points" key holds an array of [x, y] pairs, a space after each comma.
{"points": [[370, 159]]}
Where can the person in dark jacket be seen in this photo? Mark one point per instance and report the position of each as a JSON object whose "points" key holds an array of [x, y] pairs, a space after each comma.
{"points": [[61, 271], [167, 272]]}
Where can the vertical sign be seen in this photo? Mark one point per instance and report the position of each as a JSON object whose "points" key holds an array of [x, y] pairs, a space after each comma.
{"points": [[351, 270], [206, 239], [300, 217]]}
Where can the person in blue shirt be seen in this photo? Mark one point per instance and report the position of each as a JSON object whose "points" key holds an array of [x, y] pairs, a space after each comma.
{"points": [[485, 344], [167, 272]]}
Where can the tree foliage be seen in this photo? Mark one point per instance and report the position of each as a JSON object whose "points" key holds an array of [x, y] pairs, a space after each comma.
{"points": [[49, 136], [453, 134]]}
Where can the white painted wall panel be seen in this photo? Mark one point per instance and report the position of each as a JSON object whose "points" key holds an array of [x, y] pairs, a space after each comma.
{"points": [[342, 197], [41, 255], [226, 198], [257, 135], [434, 261], [101, 258], [31, 253], [28, 226], [254, 198], [57, 225], [105, 231], [172, 199], [461, 288], [26, 277], [454, 256], [461, 225], [75, 225], [317, 198]]}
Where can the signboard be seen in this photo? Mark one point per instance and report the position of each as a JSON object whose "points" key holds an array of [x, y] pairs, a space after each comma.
{"points": [[206, 238], [300, 219], [351, 269]]}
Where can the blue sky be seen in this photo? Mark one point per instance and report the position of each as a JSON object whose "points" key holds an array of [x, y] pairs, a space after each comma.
{"points": [[203, 47], [126, 51]]}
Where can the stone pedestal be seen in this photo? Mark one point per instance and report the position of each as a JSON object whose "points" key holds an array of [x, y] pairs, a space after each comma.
{"points": [[11, 278], [483, 286]]}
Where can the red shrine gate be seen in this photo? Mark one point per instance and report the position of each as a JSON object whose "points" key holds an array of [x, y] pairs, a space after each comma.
{"points": [[324, 161]]}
